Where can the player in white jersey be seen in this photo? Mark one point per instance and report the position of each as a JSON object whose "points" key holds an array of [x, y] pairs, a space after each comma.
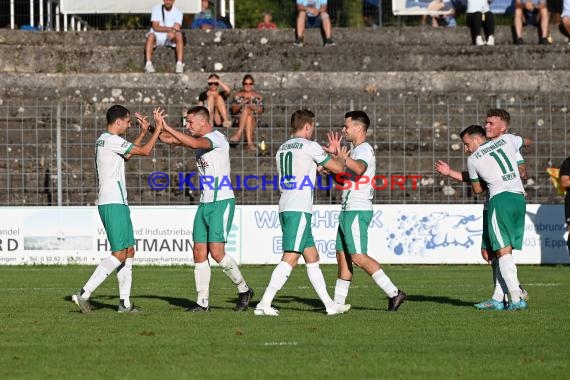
{"points": [[356, 213], [498, 300], [215, 213], [495, 162], [111, 153], [297, 161]]}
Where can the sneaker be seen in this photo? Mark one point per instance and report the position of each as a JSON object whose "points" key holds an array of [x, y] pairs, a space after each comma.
{"points": [[521, 305], [338, 308], [329, 42], [227, 124], [265, 310], [543, 41], [83, 303], [130, 309], [243, 300], [395, 302], [519, 41], [149, 68], [524, 293], [479, 41], [491, 40], [298, 42], [198, 308], [179, 69], [490, 304]]}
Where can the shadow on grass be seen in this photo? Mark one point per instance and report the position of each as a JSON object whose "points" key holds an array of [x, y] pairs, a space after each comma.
{"points": [[96, 304], [439, 299]]}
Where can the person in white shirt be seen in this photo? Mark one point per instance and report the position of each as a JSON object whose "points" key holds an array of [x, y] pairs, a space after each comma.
{"points": [[111, 153], [479, 15], [166, 24], [357, 211], [297, 160], [214, 217], [495, 162]]}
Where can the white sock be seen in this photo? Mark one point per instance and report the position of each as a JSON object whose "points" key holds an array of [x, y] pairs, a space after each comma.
{"points": [[147, 62], [278, 279], [125, 278], [385, 283], [341, 291], [104, 269], [231, 269], [177, 62], [501, 289], [202, 275], [509, 272], [318, 281]]}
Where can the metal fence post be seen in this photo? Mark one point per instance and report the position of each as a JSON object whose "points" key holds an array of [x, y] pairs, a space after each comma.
{"points": [[58, 155]]}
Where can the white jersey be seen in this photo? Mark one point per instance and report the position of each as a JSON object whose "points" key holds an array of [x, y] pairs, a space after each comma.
{"points": [[174, 16], [214, 169], [520, 161], [496, 163], [109, 157], [360, 199], [297, 160]]}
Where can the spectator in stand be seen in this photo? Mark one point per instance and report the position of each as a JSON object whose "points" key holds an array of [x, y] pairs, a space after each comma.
{"points": [[214, 98], [446, 18], [247, 105], [313, 14], [206, 19], [565, 23], [166, 22], [564, 178], [266, 23], [531, 12], [479, 14]]}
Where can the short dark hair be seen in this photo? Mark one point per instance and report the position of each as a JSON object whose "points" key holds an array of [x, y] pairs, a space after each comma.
{"points": [[213, 76], [359, 116], [116, 112], [500, 113], [473, 130], [300, 118], [200, 111], [246, 77]]}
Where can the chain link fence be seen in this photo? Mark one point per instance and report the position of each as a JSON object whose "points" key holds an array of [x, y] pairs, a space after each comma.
{"points": [[47, 151]]}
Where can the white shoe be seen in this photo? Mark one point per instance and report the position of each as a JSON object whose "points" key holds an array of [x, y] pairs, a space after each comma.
{"points": [[491, 41], [149, 68], [179, 68], [265, 310], [479, 41], [338, 308]]}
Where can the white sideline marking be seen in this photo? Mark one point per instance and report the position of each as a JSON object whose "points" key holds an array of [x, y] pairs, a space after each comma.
{"points": [[280, 343]]}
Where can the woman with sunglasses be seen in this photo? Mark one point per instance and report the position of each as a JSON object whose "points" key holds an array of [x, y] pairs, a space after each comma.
{"points": [[214, 99], [247, 105]]}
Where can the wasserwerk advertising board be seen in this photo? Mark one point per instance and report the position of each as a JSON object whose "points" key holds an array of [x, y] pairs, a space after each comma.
{"points": [[399, 234]]}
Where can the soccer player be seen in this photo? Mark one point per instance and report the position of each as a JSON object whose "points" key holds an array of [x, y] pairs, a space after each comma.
{"points": [[111, 153], [297, 161], [565, 182], [356, 213], [215, 214], [498, 300], [495, 162]]}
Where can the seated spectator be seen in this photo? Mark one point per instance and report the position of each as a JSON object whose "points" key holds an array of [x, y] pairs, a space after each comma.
{"points": [[247, 106], [266, 23], [206, 19], [531, 12], [166, 22], [214, 98], [313, 14], [446, 18], [479, 14], [565, 23]]}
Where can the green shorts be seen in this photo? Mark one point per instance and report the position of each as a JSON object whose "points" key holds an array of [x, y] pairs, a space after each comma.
{"points": [[116, 219], [213, 221], [485, 241], [352, 234], [297, 232], [506, 220]]}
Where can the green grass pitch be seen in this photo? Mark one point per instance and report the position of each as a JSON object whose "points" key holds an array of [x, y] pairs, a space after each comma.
{"points": [[436, 334]]}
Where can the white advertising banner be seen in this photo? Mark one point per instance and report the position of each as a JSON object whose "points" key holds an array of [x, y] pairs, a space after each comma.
{"points": [[399, 234], [122, 6]]}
